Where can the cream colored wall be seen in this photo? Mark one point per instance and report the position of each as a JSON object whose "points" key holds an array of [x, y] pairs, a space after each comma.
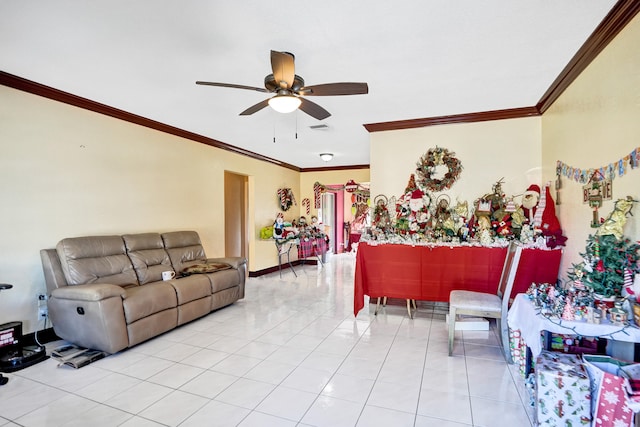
{"points": [[595, 122], [68, 172], [488, 151]]}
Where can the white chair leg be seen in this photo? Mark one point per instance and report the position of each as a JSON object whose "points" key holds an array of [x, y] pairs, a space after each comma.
{"points": [[377, 307], [409, 309], [503, 329], [452, 328]]}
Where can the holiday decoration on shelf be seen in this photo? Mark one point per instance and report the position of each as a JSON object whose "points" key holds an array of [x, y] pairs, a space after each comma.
{"points": [[617, 219], [293, 231], [556, 302], [286, 198], [412, 210], [418, 216], [549, 223], [381, 217], [530, 200], [428, 164], [278, 227]]}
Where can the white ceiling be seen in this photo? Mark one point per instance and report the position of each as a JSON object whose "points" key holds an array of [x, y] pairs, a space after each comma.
{"points": [[421, 58]]}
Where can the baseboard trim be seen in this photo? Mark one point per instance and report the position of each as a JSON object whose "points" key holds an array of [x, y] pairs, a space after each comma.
{"points": [[285, 267]]}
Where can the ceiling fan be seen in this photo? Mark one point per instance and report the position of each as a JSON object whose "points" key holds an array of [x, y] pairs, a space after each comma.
{"points": [[290, 91]]}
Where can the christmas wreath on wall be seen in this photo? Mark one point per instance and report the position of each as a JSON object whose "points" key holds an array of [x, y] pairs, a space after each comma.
{"points": [[427, 166], [286, 198]]}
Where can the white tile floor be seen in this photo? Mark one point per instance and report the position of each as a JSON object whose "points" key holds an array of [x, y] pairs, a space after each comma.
{"points": [[290, 354]]}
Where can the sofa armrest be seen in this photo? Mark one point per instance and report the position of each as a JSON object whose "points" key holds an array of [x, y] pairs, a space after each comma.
{"points": [[90, 316], [91, 292], [234, 262], [52, 269]]}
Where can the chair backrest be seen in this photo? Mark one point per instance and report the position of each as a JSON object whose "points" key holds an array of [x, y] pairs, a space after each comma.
{"points": [[508, 276]]}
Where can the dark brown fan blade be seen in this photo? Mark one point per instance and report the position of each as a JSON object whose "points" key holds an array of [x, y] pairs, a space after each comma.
{"points": [[283, 67], [255, 108], [259, 89], [313, 109], [333, 89]]}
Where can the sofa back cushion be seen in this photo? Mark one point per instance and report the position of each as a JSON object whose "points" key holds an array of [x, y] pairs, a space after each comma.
{"points": [[184, 249], [96, 259], [148, 256]]}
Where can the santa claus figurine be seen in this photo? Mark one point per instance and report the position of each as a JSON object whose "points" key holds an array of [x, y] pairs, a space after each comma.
{"points": [[416, 201], [530, 200], [549, 223]]}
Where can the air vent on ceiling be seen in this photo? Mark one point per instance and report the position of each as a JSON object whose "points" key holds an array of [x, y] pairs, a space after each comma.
{"points": [[319, 127]]}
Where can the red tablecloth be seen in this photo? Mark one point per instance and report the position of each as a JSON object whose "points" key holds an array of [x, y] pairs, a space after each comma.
{"points": [[353, 238], [430, 273], [312, 247]]}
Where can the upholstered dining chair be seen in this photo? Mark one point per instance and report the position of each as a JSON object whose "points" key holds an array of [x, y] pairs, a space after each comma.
{"points": [[483, 304]]}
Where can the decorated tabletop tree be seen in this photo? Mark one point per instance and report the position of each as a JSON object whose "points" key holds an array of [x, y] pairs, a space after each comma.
{"points": [[610, 260]]}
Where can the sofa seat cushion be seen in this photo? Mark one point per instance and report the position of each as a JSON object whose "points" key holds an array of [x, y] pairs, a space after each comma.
{"points": [[145, 300], [191, 288], [208, 267], [224, 279]]}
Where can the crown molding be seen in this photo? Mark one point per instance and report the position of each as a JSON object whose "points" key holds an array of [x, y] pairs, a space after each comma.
{"points": [[34, 88], [482, 116], [335, 168], [619, 16]]}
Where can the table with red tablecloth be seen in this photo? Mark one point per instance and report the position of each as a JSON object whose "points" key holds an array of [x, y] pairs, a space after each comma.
{"points": [[310, 247], [430, 273]]}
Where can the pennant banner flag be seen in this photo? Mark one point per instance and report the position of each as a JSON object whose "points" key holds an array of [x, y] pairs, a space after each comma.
{"points": [[621, 167]]}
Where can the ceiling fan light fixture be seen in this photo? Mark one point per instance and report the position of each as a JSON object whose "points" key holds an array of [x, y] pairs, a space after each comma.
{"points": [[284, 103], [326, 156]]}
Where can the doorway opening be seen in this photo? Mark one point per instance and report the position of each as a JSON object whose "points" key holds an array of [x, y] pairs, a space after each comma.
{"points": [[236, 236]]}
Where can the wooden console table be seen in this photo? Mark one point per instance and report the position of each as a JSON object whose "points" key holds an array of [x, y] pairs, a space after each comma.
{"points": [[429, 273]]}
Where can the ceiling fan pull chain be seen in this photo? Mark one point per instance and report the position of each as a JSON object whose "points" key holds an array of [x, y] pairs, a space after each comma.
{"points": [[296, 125]]}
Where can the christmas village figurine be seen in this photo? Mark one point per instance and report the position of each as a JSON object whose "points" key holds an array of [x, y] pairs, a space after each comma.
{"points": [[381, 218], [284, 230], [278, 227], [412, 210]]}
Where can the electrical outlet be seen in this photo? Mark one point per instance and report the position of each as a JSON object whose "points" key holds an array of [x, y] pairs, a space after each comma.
{"points": [[43, 311]]}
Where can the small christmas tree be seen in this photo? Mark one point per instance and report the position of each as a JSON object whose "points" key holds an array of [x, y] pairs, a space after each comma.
{"points": [[607, 260]]}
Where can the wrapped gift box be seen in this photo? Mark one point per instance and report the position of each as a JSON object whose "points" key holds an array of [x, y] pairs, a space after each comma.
{"points": [[614, 397], [518, 351], [563, 391]]}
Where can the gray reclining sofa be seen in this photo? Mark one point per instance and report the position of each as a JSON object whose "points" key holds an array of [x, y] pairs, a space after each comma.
{"points": [[107, 292]]}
